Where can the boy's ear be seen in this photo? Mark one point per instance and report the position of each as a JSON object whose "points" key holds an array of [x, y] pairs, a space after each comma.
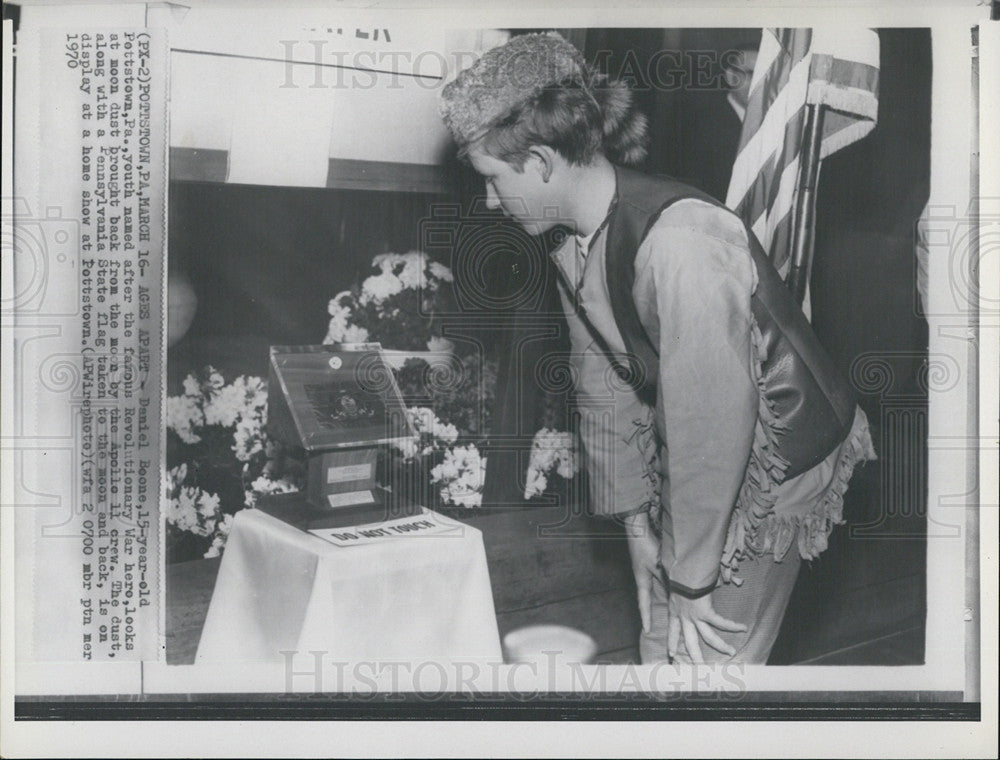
{"points": [[542, 159]]}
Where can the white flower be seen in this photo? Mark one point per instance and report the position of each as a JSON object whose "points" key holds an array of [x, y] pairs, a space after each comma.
{"points": [[222, 530], [445, 432], [225, 406], [542, 454], [240, 406], [440, 271], [407, 447], [379, 287], [340, 316], [225, 525], [337, 327], [386, 262], [420, 417], [412, 272], [434, 343], [461, 474], [182, 415], [215, 379], [175, 479], [182, 510], [337, 304], [181, 514], [215, 550], [247, 438], [253, 394], [194, 511], [265, 485], [214, 404], [447, 471], [537, 483], [462, 499], [208, 505], [567, 466], [354, 334], [427, 425], [551, 450]]}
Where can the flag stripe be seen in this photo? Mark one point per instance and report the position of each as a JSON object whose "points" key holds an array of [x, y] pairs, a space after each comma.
{"points": [[767, 139], [796, 68], [840, 130], [840, 73], [791, 51], [761, 194], [779, 212], [791, 148], [781, 240], [768, 53]]}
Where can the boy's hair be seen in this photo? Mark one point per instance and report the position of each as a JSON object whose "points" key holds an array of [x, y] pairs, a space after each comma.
{"points": [[575, 121], [537, 90]]}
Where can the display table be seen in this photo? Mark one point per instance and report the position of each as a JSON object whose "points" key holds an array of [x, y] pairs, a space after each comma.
{"points": [[408, 597]]}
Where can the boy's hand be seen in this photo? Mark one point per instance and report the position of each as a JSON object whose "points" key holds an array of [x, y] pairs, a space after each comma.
{"points": [[693, 617], [644, 548]]}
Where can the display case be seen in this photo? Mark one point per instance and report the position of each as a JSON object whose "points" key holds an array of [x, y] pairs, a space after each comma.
{"points": [[336, 405]]}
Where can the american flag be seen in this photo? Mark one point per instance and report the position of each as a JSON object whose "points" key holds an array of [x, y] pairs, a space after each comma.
{"points": [[837, 69]]}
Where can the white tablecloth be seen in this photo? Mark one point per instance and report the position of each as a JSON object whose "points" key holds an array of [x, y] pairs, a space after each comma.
{"points": [[408, 598]]}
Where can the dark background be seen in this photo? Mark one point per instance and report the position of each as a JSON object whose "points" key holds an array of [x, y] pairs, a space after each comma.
{"points": [[264, 261]]}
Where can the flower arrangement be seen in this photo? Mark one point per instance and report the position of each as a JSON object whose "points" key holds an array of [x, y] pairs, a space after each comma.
{"points": [[458, 471], [397, 306], [551, 451], [432, 434], [451, 433], [219, 460], [461, 475]]}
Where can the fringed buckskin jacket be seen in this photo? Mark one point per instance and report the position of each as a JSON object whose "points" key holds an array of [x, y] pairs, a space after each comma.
{"points": [[701, 453]]}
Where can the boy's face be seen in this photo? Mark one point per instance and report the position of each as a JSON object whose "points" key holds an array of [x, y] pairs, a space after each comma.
{"points": [[522, 195]]}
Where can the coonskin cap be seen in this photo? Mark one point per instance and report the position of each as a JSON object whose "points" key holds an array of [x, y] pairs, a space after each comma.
{"points": [[505, 77]]}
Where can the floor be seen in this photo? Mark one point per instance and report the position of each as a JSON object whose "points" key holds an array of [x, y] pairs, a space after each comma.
{"points": [[905, 647]]}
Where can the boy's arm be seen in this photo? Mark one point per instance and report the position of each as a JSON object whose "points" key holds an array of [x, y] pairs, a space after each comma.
{"points": [[694, 280]]}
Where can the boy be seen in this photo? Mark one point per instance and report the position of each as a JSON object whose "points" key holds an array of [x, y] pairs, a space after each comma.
{"points": [[730, 439]]}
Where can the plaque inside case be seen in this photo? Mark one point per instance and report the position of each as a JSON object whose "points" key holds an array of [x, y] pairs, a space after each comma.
{"points": [[339, 405]]}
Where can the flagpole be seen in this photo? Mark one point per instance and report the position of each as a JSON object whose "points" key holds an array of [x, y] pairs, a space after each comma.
{"points": [[804, 235]]}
